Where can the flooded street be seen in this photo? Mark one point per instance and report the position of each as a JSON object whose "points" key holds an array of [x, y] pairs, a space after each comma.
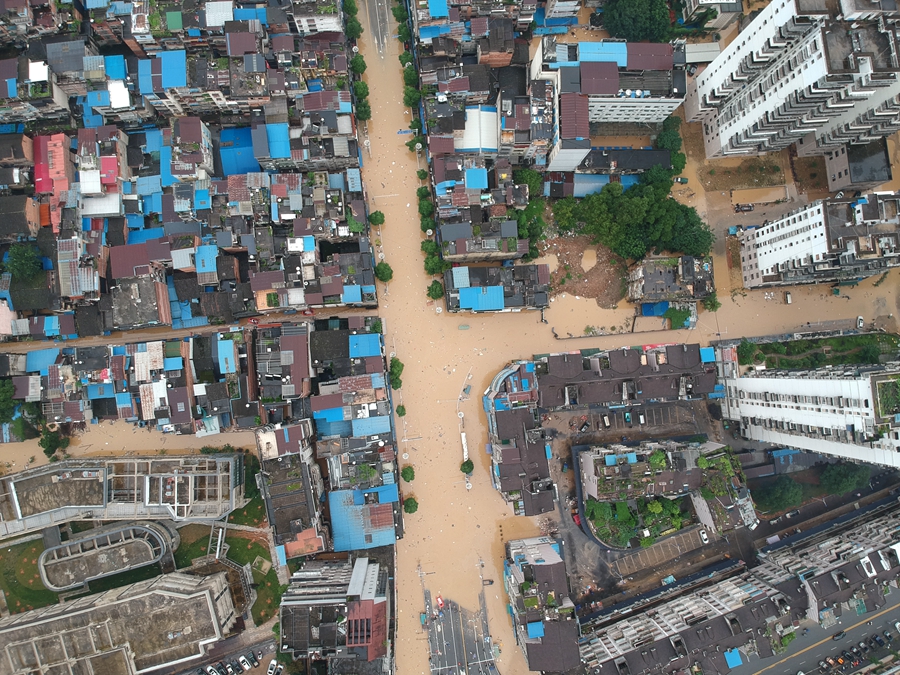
{"points": [[454, 528]]}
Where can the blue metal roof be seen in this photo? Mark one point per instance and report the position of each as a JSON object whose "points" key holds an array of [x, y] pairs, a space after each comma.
{"points": [[153, 139], [145, 78], [369, 426], [205, 258], [535, 629], [433, 31], [279, 139], [98, 391], [733, 658], [476, 179], [615, 52], [12, 88], [366, 344], [201, 200], [123, 399], [225, 355], [588, 183], [481, 298], [173, 363], [143, 236], [165, 166], [174, 68], [354, 180], [628, 180], [352, 529], [236, 152], [351, 294], [654, 308], [250, 13], [336, 181], [438, 8], [115, 67], [707, 354], [40, 361], [330, 415]]}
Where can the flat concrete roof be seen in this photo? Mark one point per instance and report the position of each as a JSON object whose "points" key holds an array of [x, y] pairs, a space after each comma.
{"points": [[164, 621]]}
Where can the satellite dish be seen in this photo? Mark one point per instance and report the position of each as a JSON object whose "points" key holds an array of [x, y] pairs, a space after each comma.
{"points": [[429, 232], [418, 147], [367, 143], [355, 49]]}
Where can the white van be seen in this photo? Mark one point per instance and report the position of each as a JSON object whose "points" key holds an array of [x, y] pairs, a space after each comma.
{"points": [[787, 297]]}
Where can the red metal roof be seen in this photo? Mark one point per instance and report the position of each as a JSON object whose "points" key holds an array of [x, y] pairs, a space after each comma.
{"points": [[573, 116], [599, 78], [649, 56], [441, 145], [125, 259]]}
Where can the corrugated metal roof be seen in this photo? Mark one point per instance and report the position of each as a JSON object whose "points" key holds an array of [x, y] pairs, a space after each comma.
{"points": [[460, 277], [648, 56], [599, 78], [482, 298], [573, 116]]}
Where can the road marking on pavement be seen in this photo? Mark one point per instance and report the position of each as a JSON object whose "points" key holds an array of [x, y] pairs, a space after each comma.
{"points": [[821, 642]]}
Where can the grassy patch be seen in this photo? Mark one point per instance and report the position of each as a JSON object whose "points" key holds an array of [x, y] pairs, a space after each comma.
{"points": [[194, 540], [253, 514], [835, 351], [20, 580], [124, 578], [269, 591]]}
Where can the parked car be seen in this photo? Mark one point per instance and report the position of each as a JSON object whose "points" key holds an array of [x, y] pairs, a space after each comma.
{"points": [[831, 661], [681, 180], [878, 640], [897, 626], [855, 650], [863, 647], [251, 657], [628, 418], [839, 195], [255, 322], [221, 668], [847, 655], [703, 537], [823, 666], [577, 519], [745, 208], [245, 664], [692, 69], [793, 514], [279, 669], [584, 427], [839, 635], [211, 671], [860, 322], [238, 668], [272, 665], [888, 636]]}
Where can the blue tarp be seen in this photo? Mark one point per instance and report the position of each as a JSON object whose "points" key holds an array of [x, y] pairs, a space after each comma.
{"points": [[481, 298], [433, 31], [707, 355], [205, 258], [143, 236], [236, 152], [366, 344], [123, 399], [535, 629], [225, 355], [173, 363], [12, 88], [329, 415], [39, 361], [588, 183], [548, 451], [654, 308]]}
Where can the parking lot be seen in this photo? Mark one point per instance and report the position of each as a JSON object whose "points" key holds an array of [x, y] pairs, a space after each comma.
{"points": [[664, 420], [661, 552]]}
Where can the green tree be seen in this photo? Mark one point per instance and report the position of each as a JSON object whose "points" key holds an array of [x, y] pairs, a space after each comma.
{"points": [[467, 467], [637, 20], [702, 463], [403, 33], [423, 192], [411, 97], [783, 493], [416, 125], [533, 179], [677, 317], [414, 141], [7, 403], [844, 477], [24, 261], [51, 441], [436, 290], [376, 218], [746, 351], [383, 272], [405, 58], [361, 89], [410, 505], [363, 111], [679, 161], [429, 247], [657, 460], [669, 140], [711, 302], [426, 207], [354, 29], [434, 265], [647, 542], [411, 77], [401, 411], [400, 13], [422, 174], [358, 64], [355, 226], [654, 507], [564, 213], [870, 353], [408, 474], [350, 8]]}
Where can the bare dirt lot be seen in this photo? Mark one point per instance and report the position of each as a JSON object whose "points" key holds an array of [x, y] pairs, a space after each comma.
{"points": [[586, 270]]}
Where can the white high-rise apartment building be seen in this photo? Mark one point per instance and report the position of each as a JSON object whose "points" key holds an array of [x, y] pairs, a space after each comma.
{"points": [[834, 411], [802, 73]]}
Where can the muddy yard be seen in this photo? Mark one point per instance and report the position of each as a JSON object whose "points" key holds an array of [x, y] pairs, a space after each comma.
{"points": [[586, 270]]}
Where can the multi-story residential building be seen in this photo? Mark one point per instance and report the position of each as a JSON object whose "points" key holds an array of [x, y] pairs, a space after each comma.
{"points": [[543, 613], [168, 605], [857, 166], [844, 411], [30, 93], [825, 241], [799, 74], [497, 289], [622, 81], [726, 12], [197, 488], [337, 610], [526, 123]]}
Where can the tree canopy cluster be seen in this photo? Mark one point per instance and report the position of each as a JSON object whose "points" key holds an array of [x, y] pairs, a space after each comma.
{"points": [[530, 221], [633, 222], [637, 20], [844, 477], [779, 495]]}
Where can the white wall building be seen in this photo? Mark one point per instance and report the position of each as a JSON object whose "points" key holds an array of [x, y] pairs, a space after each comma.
{"points": [[797, 239], [797, 75], [830, 411]]}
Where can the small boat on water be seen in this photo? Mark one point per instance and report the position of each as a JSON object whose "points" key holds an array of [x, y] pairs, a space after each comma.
{"points": [[463, 326]]}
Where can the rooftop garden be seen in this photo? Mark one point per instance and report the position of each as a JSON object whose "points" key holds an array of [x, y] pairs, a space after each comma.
{"points": [[616, 524], [20, 580], [806, 354]]}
